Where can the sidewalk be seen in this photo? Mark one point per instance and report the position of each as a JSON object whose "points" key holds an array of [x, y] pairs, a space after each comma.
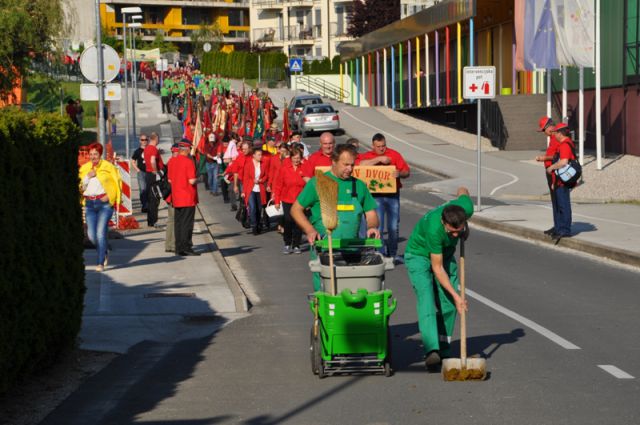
{"points": [[146, 294], [514, 185]]}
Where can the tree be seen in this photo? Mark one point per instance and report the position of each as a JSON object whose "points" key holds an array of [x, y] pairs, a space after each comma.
{"points": [[370, 15], [159, 42], [30, 29], [206, 34]]}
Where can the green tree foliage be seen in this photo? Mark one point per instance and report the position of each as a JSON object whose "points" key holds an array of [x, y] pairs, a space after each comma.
{"points": [[244, 64], [42, 278], [159, 42], [370, 15], [29, 30], [206, 34]]}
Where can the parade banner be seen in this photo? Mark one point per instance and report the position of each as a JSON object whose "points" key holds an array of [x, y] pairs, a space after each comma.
{"points": [[144, 55], [378, 178]]}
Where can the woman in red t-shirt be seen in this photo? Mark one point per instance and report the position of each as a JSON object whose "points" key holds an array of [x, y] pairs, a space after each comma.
{"points": [[546, 126], [288, 184]]}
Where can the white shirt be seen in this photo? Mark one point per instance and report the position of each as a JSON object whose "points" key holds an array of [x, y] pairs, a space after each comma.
{"points": [[92, 186], [256, 187]]}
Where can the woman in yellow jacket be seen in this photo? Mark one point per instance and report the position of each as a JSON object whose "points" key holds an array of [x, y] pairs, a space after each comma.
{"points": [[101, 187]]}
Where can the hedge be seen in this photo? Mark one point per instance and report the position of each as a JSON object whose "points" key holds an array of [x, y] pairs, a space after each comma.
{"points": [[244, 65], [41, 262]]}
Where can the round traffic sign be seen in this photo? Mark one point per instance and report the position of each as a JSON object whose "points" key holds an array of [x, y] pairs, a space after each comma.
{"points": [[110, 63], [206, 47]]}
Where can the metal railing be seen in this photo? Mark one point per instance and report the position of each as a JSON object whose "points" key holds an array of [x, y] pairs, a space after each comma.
{"points": [[299, 33], [268, 35], [338, 31], [322, 87], [266, 4], [493, 126]]}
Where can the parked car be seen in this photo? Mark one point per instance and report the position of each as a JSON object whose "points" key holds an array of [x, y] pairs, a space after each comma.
{"points": [[318, 117], [298, 103]]}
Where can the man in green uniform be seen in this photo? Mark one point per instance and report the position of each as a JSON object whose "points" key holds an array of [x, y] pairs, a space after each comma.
{"points": [[354, 200], [430, 253]]}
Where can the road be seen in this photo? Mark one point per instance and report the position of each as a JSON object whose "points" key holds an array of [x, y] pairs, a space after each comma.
{"points": [[557, 330]]}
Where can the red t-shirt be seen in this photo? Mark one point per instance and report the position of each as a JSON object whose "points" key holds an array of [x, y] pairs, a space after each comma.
{"points": [[183, 193], [317, 159], [150, 151], [396, 160], [551, 150]]}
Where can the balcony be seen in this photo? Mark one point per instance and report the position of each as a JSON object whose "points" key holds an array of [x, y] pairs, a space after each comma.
{"points": [[268, 36], [299, 3], [268, 4], [299, 34], [189, 3], [338, 32], [182, 33]]}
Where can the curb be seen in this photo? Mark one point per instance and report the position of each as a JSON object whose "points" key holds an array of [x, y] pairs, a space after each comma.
{"points": [[618, 255], [240, 298]]}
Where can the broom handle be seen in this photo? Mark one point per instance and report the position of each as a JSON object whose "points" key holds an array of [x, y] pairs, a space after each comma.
{"points": [[463, 315], [332, 272]]}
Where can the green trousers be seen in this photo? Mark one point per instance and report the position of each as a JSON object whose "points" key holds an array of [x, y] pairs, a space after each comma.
{"points": [[436, 309]]}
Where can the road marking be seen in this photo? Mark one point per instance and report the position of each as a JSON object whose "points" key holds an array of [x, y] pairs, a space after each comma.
{"points": [[526, 322], [514, 178], [616, 372]]}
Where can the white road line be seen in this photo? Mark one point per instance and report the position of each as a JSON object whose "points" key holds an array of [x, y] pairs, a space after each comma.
{"points": [[526, 322], [618, 373], [513, 177]]}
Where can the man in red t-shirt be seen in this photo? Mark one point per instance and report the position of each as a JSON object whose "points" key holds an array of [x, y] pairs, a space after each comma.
{"points": [[153, 163], [388, 204], [184, 197], [562, 192], [321, 158], [546, 126]]}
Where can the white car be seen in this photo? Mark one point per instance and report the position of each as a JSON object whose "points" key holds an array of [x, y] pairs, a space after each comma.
{"points": [[318, 118]]}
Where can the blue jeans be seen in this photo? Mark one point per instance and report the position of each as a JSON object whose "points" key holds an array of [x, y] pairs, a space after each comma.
{"points": [[142, 187], [255, 210], [389, 210], [98, 214], [212, 176], [562, 211]]}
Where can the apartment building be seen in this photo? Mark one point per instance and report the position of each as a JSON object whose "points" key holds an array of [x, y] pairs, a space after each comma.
{"points": [[303, 28], [411, 7], [179, 18]]}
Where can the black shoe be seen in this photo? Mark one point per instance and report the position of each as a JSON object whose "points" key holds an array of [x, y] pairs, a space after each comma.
{"points": [[550, 231], [144, 210], [432, 361], [234, 207], [189, 254], [255, 231], [169, 250]]}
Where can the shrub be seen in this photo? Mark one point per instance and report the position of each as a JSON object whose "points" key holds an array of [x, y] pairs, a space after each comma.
{"points": [[42, 278]]}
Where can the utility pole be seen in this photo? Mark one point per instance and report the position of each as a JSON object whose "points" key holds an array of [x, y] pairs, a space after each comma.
{"points": [[100, 83]]}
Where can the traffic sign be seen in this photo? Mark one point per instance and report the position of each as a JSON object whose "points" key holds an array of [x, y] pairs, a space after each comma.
{"points": [[479, 82], [162, 65], [89, 63], [90, 92], [295, 64]]}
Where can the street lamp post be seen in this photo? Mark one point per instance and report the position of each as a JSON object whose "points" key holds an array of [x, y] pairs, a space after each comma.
{"points": [[100, 83], [133, 25], [134, 77], [127, 11]]}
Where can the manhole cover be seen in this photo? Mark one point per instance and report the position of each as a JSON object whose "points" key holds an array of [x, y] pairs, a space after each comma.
{"points": [[170, 295]]}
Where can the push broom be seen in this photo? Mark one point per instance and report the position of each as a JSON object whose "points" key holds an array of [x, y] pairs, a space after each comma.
{"points": [[463, 369], [328, 195]]}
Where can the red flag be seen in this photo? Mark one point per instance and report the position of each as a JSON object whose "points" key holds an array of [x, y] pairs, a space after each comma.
{"points": [[187, 120]]}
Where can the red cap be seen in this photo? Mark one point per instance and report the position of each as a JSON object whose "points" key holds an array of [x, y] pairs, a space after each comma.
{"points": [[560, 126], [544, 122]]}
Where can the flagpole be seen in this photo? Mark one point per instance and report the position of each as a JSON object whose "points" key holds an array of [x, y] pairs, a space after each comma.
{"points": [[598, 94], [548, 98], [581, 117], [564, 94]]}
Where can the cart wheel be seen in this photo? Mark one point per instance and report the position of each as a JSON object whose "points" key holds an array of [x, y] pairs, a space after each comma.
{"points": [[387, 369], [321, 373], [314, 349]]}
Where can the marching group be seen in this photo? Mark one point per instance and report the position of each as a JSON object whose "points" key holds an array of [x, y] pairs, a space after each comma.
{"points": [[224, 144]]}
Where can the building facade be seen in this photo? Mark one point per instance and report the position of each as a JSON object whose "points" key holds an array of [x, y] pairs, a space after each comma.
{"points": [[312, 29], [411, 7], [177, 19]]}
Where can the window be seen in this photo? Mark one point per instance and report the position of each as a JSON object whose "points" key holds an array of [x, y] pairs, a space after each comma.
{"points": [[318, 51], [196, 16], [631, 42], [236, 18]]}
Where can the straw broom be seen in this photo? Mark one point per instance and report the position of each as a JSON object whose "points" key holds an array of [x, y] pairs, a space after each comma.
{"points": [[328, 195]]}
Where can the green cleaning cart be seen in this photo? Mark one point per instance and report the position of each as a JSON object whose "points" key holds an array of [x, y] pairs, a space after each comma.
{"points": [[350, 332]]}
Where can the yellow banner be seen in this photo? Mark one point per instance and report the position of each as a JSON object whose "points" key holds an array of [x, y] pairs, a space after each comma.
{"points": [[378, 178], [144, 55]]}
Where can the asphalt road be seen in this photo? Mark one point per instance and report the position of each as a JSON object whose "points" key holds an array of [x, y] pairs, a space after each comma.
{"points": [[546, 321]]}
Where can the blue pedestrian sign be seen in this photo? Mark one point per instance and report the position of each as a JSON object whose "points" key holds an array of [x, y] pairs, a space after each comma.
{"points": [[295, 64]]}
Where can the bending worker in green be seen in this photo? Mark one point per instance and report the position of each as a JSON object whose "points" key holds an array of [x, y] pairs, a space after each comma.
{"points": [[430, 253], [354, 199]]}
